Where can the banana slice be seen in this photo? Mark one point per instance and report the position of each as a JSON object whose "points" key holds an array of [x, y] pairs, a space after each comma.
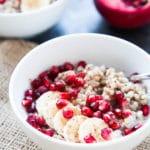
{"points": [[71, 128], [28, 5], [92, 126], [46, 106], [60, 121]]}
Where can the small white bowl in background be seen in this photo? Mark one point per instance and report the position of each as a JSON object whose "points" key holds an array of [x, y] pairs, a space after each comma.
{"points": [[28, 24], [95, 49]]}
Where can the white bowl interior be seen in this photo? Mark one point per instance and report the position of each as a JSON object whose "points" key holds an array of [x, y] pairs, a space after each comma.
{"points": [[95, 49]]}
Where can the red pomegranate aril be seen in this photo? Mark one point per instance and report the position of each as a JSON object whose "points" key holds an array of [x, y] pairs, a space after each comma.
{"points": [[43, 75], [136, 127], [68, 66], [98, 97], [145, 110], [97, 114], [74, 93], [114, 124], [81, 63], [106, 117], [41, 130], [46, 82], [54, 70], [36, 83], [34, 125], [26, 103], [2, 1], [28, 98], [49, 132], [86, 111], [111, 114], [89, 139], [31, 118], [52, 87], [40, 121], [29, 92], [79, 82], [118, 112], [31, 108], [36, 94], [70, 79], [60, 86], [104, 105], [42, 89], [81, 74], [68, 113], [119, 95], [65, 95], [127, 131], [61, 103], [105, 133], [122, 103], [94, 106], [126, 113], [93, 98]]}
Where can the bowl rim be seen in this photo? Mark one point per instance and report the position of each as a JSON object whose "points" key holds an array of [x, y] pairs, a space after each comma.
{"points": [[54, 140], [33, 12]]}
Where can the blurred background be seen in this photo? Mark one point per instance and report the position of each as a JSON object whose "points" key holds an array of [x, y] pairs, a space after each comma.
{"points": [[81, 16]]}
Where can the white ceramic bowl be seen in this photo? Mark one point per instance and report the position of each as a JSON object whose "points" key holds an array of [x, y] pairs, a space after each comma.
{"points": [[27, 24], [94, 48]]}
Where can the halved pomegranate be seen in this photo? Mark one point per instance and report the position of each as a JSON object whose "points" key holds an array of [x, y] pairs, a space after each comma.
{"points": [[125, 13]]}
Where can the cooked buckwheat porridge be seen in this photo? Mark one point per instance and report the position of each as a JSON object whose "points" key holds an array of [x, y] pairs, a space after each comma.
{"points": [[14, 6], [84, 103]]}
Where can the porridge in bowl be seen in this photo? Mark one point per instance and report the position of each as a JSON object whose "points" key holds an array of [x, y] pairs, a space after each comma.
{"points": [[14, 6], [84, 103]]}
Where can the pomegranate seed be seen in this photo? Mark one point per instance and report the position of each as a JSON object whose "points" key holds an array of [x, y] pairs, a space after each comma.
{"points": [[52, 87], [111, 114], [46, 82], [118, 112], [81, 63], [61, 68], [29, 92], [65, 95], [119, 95], [49, 132], [122, 103], [41, 130], [92, 98], [104, 105], [126, 113], [43, 74], [2, 1], [97, 114], [137, 126], [68, 66], [34, 125], [26, 103], [106, 117], [114, 124], [60, 86], [70, 79], [40, 121], [89, 139], [94, 106], [31, 118], [127, 131], [81, 74], [145, 110], [105, 133], [61, 103], [86, 111], [28, 98], [68, 113], [74, 93], [42, 89], [54, 70], [79, 82], [31, 108], [36, 83], [36, 94]]}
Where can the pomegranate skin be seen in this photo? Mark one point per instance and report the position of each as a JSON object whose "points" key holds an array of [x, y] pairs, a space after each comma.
{"points": [[125, 17]]}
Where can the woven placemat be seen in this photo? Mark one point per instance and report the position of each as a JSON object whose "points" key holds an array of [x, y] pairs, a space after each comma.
{"points": [[11, 136]]}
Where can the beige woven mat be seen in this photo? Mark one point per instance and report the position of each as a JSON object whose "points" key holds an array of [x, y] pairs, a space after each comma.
{"points": [[11, 136]]}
